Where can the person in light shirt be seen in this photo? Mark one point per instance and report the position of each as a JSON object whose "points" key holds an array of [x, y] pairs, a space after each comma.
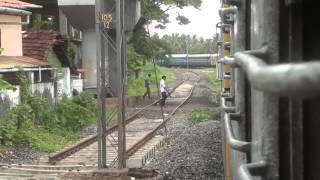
{"points": [[163, 90]]}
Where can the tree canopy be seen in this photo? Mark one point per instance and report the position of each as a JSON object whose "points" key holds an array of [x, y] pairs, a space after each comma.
{"points": [[178, 44], [141, 46]]}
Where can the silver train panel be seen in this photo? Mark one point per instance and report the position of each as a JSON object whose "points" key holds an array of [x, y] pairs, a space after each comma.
{"points": [[270, 114]]}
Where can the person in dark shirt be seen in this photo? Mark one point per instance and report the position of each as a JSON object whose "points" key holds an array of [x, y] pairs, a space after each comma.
{"points": [[147, 82]]}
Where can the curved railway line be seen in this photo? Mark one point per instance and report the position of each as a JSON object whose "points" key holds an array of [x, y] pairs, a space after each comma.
{"points": [[145, 132]]}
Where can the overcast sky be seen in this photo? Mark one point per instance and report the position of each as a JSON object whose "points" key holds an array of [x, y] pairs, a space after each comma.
{"points": [[202, 24]]}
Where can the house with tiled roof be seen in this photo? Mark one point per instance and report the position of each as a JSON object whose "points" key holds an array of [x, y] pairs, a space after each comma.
{"points": [[51, 47], [13, 14]]}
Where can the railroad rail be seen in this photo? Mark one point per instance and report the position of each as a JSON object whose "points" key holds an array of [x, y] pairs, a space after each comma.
{"points": [[137, 128], [88, 141], [150, 135], [146, 138]]}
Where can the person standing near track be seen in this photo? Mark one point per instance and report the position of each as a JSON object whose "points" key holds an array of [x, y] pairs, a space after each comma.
{"points": [[147, 82], [163, 90]]}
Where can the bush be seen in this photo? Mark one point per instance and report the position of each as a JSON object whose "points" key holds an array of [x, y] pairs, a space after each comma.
{"points": [[49, 120], [7, 133], [86, 100], [39, 106], [21, 115], [76, 113], [46, 129]]}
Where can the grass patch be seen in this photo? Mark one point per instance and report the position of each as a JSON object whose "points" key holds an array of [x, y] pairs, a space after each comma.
{"points": [[203, 114], [136, 86], [45, 141], [211, 72]]}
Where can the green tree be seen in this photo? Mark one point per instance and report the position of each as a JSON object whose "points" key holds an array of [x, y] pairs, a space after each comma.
{"points": [[142, 47], [152, 11], [178, 44], [136, 61]]}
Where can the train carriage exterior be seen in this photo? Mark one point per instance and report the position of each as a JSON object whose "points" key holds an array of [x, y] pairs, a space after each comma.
{"points": [[269, 52], [190, 60]]}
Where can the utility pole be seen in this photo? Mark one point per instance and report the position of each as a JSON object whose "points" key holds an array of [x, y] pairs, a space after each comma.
{"points": [[120, 60], [101, 87], [187, 57], [187, 50]]}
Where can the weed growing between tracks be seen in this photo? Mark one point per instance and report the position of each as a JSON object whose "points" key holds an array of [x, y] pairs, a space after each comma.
{"points": [[203, 114]]}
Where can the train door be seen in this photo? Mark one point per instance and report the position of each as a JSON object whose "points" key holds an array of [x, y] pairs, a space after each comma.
{"points": [[299, 142]]}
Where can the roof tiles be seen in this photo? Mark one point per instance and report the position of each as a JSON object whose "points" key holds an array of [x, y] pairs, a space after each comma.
{"points": [[36, 44], [20, 61], [17, 4]]}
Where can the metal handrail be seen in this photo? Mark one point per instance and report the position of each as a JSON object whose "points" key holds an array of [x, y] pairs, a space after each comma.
{"points": [[230, 109], [300, 80], [246, 171], [223, 25], [226, 11], [236, 144]]}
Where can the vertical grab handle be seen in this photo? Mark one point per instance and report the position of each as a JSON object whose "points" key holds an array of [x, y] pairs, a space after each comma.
{"points": [[236, 144]]}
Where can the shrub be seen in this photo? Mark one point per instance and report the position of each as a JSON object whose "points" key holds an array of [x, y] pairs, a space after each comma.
{"points": [[25, 91], [21, 115], [86, 100], [76, 113], [49, 120], [46, 129], [7, 133], [38, 105]]}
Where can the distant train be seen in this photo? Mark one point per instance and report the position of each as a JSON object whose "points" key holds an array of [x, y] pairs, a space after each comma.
{"points": [[189, 60]]}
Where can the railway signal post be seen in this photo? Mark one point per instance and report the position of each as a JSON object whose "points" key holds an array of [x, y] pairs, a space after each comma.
{"points": [[120, 44], [101, 86]]}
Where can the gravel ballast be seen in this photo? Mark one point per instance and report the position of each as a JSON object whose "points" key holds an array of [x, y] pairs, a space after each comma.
{"points": [[195, 150], [19, 154]]}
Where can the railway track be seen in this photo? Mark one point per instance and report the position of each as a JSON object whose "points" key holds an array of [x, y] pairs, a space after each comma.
{"points": [[144, 135]]}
